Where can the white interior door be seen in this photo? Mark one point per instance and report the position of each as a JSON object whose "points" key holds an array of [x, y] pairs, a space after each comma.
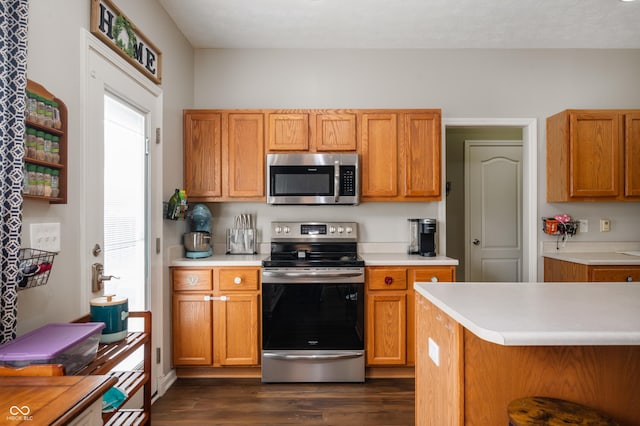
{"points": [[493, 194], [122, 185]]}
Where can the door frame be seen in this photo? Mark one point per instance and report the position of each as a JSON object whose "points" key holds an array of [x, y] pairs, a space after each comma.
{"points": [[529, 128], [468, 143], [89, 43]]}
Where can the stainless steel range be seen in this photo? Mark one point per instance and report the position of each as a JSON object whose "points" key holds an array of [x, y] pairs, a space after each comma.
{"points": [[313, 304]]}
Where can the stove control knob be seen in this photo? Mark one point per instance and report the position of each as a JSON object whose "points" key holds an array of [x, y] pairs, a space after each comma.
{"points": [[349, 229], [278, 229], [332, 229], [340, 229], [286, 229]]}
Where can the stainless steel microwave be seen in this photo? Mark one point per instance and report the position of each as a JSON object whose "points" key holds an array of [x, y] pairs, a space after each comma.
{"points": [[313, 179]]}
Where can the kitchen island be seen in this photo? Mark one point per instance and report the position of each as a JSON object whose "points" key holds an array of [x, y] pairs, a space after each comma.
{"points": [[481, 345]]}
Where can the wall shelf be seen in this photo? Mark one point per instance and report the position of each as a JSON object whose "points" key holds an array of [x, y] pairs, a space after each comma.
{"points": [[61, 133]]}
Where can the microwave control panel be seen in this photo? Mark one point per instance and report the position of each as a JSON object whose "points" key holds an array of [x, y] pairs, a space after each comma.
{"points": [[347, 180]]}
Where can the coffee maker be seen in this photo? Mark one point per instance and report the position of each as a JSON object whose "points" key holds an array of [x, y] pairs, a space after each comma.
{"points": [[197, 242], [427, 237]]}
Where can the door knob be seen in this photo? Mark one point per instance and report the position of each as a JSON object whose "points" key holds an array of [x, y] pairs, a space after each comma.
{"points": [[97, 277], [476, 242]]}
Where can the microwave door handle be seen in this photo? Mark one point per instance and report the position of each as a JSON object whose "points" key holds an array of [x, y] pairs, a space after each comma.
{"points": [[336, 181]]}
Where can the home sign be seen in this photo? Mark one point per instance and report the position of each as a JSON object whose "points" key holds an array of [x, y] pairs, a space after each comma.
{"points": [[117, 31]]}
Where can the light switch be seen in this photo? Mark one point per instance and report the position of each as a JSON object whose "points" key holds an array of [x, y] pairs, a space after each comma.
{"points": [[434, 352], [45, 236]]}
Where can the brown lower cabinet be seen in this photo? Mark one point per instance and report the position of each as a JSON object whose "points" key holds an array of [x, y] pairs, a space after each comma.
{"points": [[216, 316], [389, 328], [562, 271]]}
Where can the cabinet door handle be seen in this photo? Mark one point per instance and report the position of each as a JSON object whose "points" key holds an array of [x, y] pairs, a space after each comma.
{"points": [[434, 279], [629, 278], [388, 280], [237, 280], [192, 279]]}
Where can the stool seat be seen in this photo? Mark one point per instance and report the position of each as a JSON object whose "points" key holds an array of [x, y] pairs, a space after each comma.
{"points": [[542, 411]]}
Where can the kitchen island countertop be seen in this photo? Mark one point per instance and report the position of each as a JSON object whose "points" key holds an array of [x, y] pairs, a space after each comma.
{"points": [[598, 258], [542, 313]]}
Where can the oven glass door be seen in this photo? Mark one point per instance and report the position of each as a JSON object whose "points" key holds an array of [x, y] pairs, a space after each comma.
{"points": [[301, 181], [312, 316]]}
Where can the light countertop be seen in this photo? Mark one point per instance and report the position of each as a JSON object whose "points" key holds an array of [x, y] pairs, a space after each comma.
{"points": [[383, 259], [540, 314], [599, 258], [370, 259], [221, 260]]}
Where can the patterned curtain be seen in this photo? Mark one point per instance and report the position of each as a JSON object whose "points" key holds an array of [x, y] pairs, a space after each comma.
{"points": [[13, 83]]}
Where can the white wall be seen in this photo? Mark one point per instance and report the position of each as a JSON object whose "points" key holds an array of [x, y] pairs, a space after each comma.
{"points": [[464, 83], [54, 60]]}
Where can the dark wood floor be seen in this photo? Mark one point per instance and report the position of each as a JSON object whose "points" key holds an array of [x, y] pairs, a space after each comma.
{"points": [[386, 402]]}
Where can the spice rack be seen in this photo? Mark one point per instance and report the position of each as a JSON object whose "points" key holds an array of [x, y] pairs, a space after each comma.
{"points": [[61, 133]]}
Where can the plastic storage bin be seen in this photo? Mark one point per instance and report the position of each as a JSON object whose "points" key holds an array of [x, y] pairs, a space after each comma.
{"points": [[73, 345]]}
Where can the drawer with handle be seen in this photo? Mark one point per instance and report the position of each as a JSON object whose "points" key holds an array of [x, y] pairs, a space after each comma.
{"points": [[192, 279]]}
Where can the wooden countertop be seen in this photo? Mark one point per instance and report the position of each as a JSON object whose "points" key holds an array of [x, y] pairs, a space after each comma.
{"points": [[49, 400], [541, 314]]}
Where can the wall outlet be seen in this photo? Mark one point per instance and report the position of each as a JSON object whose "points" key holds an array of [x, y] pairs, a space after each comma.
{"points": [[45, 236], [605, 225], [583, 225], [434, 352]]}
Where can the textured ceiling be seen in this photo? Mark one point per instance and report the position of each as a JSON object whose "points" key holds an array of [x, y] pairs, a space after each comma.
{"points": [[407, 23]]}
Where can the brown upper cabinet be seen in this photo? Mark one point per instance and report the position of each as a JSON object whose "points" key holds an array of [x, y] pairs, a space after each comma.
{"points": [[593, 155], [224, 155], [311, 131], [400, 150], [400, 155], [288, 132]]}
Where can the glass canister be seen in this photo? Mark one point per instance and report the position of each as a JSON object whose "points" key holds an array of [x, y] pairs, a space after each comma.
{"points": [[55, 183], [57, 122], [414, 237], [55, 149]]}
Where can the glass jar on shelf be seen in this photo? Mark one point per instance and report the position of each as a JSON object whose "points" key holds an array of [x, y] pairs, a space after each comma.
{"points": [[32, 107], [39, 145], [47, 147], [40, 112], [32, 179], [55, 183], [47, 182], [57, 121], [55, 149], [48, 113], [30, 143], [39, 180]]}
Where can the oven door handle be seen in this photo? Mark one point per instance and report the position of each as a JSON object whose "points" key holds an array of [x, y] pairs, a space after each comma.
{"points": [[312, 274], [341, 355]]}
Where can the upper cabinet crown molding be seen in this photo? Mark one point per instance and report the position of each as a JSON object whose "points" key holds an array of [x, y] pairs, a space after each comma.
{"points": [[593, 155]]}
